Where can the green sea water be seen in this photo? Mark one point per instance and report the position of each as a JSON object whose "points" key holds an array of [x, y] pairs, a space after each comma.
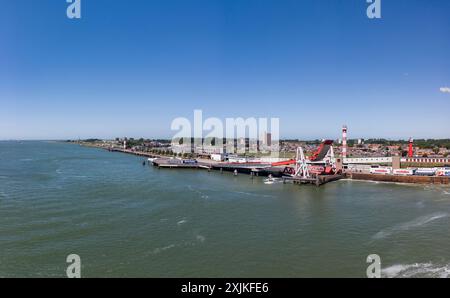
{"points": [[128, 220]]}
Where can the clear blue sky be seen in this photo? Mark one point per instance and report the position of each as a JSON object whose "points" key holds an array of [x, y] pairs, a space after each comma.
{"points": [[127, 68]]}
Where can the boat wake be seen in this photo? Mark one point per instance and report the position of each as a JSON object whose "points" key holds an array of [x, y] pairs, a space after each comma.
{"points": [[200, 238], [253, 194], [161, 249], [181, 222], [187, 243], [202, 194], [418, 270], [420, 204], [26, 159], [272, 181], [418, 222]]}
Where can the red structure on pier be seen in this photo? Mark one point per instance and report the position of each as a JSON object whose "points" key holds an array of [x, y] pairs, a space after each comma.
{"points": [[410, 150]]}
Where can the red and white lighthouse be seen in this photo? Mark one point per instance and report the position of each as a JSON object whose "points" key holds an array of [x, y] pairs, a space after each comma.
{"points": [[410, 149], [344, 141]]}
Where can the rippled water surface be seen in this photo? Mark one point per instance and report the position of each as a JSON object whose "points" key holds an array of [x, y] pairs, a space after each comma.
{"points": [[128, 220]]}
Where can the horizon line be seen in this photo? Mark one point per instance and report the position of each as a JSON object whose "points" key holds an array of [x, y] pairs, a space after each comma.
{"points": [[167, 139]]}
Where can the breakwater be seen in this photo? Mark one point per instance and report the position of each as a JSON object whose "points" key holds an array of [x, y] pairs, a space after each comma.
{"points": [[400, 179], [277, 171]]}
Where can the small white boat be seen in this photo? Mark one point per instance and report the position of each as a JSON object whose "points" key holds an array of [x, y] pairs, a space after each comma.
{"points": [[150, 160], [270, 180]]}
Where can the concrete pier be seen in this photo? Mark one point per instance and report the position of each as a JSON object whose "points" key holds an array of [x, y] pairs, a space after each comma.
{"points": [[253, 169], [400, 179], [174, 163], [318, 180]]}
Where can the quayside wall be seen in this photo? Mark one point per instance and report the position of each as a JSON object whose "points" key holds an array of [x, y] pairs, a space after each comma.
{"points": [[400, 179]]}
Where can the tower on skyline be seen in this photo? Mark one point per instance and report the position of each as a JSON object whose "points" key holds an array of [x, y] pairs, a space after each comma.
{"points": [[344, 141], [410, 149]]}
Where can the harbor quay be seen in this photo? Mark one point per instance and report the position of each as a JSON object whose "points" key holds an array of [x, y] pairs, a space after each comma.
{"points": [[254, 169], [272, 170], [317, 162]]}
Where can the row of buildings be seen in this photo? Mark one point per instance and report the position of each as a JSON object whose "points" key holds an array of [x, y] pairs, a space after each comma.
{"points": [[224, 146], [358, 148]]}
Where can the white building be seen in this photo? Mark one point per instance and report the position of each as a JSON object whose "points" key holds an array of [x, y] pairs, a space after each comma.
{"points": [[266, 139], [218, 157], [368, 160]]}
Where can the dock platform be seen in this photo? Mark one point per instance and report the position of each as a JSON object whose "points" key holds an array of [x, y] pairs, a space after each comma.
{"points": [[174, 163], [318, 180], [250, 169]]}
